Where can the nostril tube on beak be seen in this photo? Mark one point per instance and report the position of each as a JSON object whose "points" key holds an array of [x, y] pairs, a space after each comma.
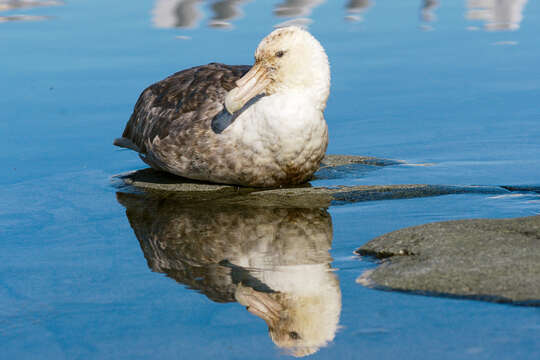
{"points": [[250, 85]]}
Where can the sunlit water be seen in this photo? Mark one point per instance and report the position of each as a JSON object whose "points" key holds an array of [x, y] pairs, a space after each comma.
{"points": [[452, 86]]}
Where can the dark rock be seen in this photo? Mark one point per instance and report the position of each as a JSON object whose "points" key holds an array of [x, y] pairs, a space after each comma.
{"points": [[346, 166], [343, 160], [304, 196], [523, 188], [487, 259]]}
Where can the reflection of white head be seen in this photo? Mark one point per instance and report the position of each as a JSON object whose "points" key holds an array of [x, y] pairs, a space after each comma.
{"points": [[498, 14], [290, 284], [303, 313]]}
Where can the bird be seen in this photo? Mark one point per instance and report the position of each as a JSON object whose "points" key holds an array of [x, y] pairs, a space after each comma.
{"points": [[258, 126]]}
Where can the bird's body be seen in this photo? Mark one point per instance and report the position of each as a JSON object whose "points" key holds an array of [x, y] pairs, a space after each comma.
{"points": [[253, 126]]}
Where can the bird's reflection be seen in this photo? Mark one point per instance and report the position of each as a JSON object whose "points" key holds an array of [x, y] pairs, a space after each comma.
{"points": [[273, 261], [497, 14]]}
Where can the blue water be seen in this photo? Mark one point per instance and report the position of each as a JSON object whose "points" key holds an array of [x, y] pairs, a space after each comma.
{"points": [[449, 94]]}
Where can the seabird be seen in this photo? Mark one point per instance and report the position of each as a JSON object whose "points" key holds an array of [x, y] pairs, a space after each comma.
{"points": [[259, 125]]}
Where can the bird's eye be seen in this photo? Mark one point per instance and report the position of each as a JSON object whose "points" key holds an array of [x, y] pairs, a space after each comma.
{"points": [[280, 53], [294, 335]]}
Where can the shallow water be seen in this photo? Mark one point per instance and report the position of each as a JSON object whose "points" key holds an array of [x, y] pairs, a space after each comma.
{"points": [[431, 85]]}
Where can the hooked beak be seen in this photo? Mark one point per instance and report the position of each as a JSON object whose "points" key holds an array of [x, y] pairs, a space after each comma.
{"points": [[259, 303], [253, 83]]}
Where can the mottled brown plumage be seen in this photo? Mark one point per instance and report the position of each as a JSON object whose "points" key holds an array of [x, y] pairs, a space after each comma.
{"points": [[188, 98]]}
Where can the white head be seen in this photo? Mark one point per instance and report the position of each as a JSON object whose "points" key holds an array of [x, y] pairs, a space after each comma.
{"points": [[287, 59]]}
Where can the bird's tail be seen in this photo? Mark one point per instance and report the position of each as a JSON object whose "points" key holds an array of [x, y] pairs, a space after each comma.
{"points": [[126, 143]]}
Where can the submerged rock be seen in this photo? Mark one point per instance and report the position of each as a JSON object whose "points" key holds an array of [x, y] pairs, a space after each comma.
{"points": [[304, 196], [487, 259], [344, 160], [157, 180]]}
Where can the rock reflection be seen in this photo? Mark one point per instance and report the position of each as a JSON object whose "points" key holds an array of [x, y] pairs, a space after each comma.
{"points": [[6, 5], [356, 8], [427, 13], [296, 8], [497, 14], [187, 13], [176, 13], [225, 11], [25, 4], [273, 261]]}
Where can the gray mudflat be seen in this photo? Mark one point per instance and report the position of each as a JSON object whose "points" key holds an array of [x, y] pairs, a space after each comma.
{"points": [[493, 260], [165, 184]]}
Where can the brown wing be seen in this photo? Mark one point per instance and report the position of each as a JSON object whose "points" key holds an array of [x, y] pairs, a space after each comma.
{"points": [[173, 103]]}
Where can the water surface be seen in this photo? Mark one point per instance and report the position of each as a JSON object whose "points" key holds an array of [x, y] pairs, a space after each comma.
{"points": [[452, 85]]}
